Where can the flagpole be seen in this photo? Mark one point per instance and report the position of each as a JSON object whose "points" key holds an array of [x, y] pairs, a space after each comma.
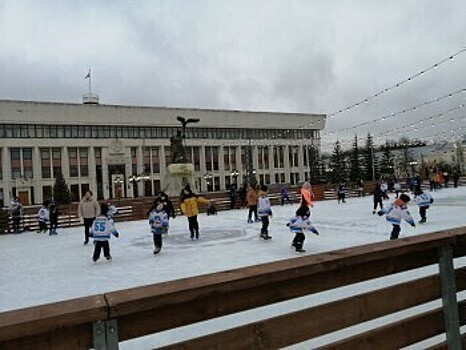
{"points": [[90, 91]]}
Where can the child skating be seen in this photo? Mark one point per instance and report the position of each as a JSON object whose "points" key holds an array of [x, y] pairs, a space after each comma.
{"points": [[189, 207], [53, 215], [101, 229], [264, 211], [298, 224], [423, 200], [397, 211], [158, 221], [43, 216]]}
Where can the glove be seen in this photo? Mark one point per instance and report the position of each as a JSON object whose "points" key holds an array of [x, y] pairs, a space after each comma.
{"points": [[317, 233], [380, 213], [117, 235], [288, 224], [413, 224]]}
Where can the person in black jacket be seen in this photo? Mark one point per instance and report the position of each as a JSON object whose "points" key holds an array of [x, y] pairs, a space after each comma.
{"points": [[378, 196], [164, 199]]}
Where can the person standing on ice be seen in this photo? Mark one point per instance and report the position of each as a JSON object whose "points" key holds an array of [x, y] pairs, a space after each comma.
{"points": [[15, 209], [306, 194], [264, 211], [158, 221], [378, 195], [252, 198], [101, 230], [298, 224], [43, 216], [423, 200], [397, 211], [53, 215], [88, 209], [189, 207]]}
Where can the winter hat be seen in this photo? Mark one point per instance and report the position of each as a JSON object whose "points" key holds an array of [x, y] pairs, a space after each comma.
{"points": [[405, 198]]}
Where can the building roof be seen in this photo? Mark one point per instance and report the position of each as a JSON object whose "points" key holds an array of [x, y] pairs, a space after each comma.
{"points": [[27, 112]]}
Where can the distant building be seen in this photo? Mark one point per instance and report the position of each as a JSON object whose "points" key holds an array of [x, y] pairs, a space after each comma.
{"points": [[122, 151]]}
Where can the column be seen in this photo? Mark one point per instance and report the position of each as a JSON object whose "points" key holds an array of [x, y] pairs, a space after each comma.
{"points": [[6, 163], [271, 167], [163, 166], [286, 163], [128, 169], [92, 172], [105, 183], [301, 163], [203, 168], [221, 167], [36, 169]]}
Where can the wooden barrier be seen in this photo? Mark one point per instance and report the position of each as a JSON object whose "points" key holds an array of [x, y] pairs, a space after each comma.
{"points": [[140, 311]]}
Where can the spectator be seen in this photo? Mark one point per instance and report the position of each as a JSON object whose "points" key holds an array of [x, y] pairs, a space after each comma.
{"points": [[88, 209]]}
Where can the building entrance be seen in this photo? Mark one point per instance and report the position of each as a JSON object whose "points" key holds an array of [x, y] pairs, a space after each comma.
{"points": [[117, 181]]}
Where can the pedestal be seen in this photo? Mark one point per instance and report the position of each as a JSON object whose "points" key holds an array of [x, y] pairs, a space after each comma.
{"points": [[177, 177]]}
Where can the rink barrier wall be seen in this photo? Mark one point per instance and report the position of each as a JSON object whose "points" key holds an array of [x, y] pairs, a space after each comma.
{"points": [[146, 310]]}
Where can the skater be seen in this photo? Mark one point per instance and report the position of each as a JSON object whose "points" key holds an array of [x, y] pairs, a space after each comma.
{"points": [[242, 195], [101, 230], [189, 207], [53, 215], [423, 200], [264, 211], [397, 188], [384, 189], [456, 177], [158, 221], [164, 199], [298, 224], [252, 198], [43, 216], [232, 196], [377, 197], [361, 188], [112, 210], [15, 209], [397, 211], [284, 196], [341, 193], [211, 209], [88, 209], [306, 194]]}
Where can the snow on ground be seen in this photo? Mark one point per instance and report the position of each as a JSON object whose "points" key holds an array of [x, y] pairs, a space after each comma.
{"points": [[37, 268]]}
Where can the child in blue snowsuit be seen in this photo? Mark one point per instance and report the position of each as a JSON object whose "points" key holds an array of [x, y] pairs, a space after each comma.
{"points": [[43, 216], [423, 200], [395, 212], [101, 229], [298, 224], [158, 221]]}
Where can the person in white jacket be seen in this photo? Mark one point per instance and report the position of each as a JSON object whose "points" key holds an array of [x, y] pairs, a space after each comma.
{"points": [[43, 216], [397, 211], [423, 200], [264, 211], [298, 224]]}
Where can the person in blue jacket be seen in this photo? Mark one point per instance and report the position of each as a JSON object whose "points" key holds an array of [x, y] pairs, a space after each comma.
{"points": [[423, 200], [158, 221]]}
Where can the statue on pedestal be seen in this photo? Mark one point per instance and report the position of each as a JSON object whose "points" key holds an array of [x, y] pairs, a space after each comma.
{"points": [[176, 141]]}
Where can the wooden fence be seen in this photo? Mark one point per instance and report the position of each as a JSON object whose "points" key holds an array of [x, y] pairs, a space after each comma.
{"points": [[102, 321]]}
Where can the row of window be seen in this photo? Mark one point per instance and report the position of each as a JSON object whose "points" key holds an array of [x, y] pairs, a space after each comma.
{"points": [[95, 131], [78, 159]]}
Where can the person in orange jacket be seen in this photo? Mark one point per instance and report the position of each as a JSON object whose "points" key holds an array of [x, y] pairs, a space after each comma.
{"points": [[306, 194], [189, 207], [252, 197]]}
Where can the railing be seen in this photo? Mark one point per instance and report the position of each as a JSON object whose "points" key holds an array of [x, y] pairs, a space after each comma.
{"points": [[102, 321]]}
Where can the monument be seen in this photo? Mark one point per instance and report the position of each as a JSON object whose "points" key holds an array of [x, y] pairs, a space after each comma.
{"points": [[180, 172]]}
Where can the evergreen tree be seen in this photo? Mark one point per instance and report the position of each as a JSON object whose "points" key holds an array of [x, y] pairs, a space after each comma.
{"points": [[355, 165], [314, 168], [61, 193], [338, 165], [387, 164], [369, 160]]}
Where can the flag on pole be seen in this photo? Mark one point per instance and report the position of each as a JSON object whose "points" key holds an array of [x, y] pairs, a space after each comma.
{"points": [[88, 74]]}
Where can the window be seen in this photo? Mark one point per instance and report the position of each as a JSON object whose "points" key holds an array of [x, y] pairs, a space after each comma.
{"points": [[155, 160], [73, 160], [45, 163], [84, 161], [15, 156], [27, 163], [56, 161]]}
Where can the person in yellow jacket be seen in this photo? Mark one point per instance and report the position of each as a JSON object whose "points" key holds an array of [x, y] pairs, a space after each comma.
{"points": [[189, 207]]}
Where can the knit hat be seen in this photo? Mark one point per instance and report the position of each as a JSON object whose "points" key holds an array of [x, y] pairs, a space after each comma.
{"points": [[405, 198]]}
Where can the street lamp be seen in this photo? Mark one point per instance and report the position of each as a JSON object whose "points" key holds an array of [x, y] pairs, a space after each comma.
{"points": [[208, 179], [234, 173]]}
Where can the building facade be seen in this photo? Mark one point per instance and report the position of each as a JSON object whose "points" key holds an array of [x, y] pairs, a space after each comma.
{"points": [[123, 151]]}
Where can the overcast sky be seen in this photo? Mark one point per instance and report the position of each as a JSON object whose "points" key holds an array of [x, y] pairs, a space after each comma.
{"points": [[290, 55]]}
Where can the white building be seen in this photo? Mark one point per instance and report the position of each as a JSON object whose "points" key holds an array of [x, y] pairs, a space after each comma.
{"points": [[122, 151]]}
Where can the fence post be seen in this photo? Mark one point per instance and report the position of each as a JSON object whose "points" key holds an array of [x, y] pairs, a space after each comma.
{"points": [[449, 301], [105, 335]]}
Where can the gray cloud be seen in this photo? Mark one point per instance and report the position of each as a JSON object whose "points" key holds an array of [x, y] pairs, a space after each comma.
{"points": [[292, 56]]}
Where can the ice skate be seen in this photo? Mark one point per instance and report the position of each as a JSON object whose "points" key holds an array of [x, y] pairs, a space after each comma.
{"points": [[300, 250], [157, 249]]}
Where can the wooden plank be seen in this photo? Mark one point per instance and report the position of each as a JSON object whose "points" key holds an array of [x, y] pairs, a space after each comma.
{"points": [[71, 338], [396, 335], [49, 317], [277, 333], [150, 309]]}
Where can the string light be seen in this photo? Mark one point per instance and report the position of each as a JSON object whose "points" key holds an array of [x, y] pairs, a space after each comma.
{"points": [[406, 110]]}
